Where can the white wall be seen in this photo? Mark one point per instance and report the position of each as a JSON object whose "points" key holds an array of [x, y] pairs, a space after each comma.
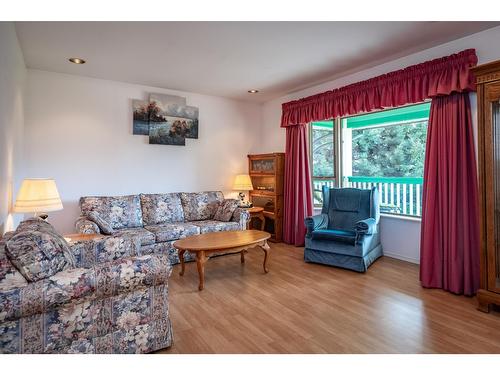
{"points": [[79, 131], [12, 77], [400, 238]]}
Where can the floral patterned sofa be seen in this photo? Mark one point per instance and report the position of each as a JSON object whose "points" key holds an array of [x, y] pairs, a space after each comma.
{"points": [[160, 219], [99, 296]]}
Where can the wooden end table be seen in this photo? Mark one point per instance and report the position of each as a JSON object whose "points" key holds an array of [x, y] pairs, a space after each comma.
{"points": [[257, 212], [221, 243], [76, 237]]}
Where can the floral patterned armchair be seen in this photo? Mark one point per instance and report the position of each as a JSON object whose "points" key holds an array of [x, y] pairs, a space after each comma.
{"points": [[108, 297]]}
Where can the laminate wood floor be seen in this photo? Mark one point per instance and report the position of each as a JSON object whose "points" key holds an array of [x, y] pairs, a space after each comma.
{"points": [[308, 308]]}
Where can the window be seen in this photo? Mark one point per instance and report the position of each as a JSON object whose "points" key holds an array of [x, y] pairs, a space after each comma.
{"points": [[322, 157], [385, 149]]}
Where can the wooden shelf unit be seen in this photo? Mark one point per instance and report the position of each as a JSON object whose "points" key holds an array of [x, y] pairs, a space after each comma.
{"points": [[267, 173]]}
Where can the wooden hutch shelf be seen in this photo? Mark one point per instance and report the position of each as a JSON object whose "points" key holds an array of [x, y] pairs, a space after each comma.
{"points": [[267, 172]]}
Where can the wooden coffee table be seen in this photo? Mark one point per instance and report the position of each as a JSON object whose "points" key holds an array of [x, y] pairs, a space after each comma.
{"points": [[221, 243]]}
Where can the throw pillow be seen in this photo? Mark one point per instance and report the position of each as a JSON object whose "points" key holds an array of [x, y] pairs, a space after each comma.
{"points": [[38, 255], [10, 277], [226, 209], [103, 225], [40, 225], [35, 223]]}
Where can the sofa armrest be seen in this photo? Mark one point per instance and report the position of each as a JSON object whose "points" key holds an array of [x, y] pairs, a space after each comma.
{"points": [[316, 222], [366, 227], [241, 216], [85, 226], [77, 285]]}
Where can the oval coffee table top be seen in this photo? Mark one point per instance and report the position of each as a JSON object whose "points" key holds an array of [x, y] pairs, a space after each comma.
{"points": [[221, 240]]}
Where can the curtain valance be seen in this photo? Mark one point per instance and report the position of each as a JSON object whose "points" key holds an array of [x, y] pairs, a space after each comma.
{"points": [[413, 84]]}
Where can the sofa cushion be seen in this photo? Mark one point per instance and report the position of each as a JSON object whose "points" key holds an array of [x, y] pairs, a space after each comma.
{"points": [[38, 255], [360, 249], [119, 211], [145, 236], [207, 226], [173, 231], [346, 200], [200, 206], [161, 208], [226, 209], [347, 206], [104, 226], [335, 235]]}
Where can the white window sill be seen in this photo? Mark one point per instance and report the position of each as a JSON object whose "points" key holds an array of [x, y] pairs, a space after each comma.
{"points": [[401, 217]]}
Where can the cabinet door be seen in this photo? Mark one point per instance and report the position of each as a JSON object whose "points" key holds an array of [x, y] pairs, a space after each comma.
{"points": [[264, 165], [492, 181]]}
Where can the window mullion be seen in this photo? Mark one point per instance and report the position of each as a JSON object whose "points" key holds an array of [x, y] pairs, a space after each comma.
{"points": [[337, 135]]}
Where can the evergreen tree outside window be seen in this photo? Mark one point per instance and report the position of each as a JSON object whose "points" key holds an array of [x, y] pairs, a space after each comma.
{"points": [[322, 157]]}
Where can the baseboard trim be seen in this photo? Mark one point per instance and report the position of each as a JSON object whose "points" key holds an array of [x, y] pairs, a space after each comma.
{"points": [[401, 257]]}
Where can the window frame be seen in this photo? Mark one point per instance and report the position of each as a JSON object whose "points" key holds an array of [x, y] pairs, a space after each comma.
{"points": [[336, 147], [338, 140]]}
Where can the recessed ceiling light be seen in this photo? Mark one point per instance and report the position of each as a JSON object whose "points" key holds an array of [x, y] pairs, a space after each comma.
{"points": [[76, 60], [253, 91]]}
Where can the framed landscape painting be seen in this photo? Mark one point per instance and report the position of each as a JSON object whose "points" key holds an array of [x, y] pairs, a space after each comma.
{"points": [[166, 119], [162, 107], [140, 124]]}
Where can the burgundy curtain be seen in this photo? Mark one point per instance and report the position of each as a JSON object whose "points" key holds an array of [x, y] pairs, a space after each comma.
{"points": [[297, 194], [413, 84], [449, 249]]}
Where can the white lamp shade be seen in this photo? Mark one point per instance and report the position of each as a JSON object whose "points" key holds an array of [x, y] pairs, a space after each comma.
{"points": [[38, 195], [242, 182]]}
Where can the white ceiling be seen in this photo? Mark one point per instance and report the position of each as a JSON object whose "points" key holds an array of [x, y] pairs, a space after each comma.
{"points": [[228, 58]]}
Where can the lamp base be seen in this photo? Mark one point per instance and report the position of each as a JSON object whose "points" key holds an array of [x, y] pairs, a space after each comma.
{"points": [[243, 203], [42, 215]]}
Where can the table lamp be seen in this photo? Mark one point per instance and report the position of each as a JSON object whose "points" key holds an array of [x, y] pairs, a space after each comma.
{"points": [[38, 196], [242, 182]]}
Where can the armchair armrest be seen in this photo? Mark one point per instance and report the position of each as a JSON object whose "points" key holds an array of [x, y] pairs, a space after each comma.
{"points": [[367, 226], [241, 216], [78, 285], [316, 222], [85, 226]]}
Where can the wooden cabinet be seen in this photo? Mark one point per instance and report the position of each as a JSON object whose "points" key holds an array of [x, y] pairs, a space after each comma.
{"points": [[267, 172], [488, 108]]}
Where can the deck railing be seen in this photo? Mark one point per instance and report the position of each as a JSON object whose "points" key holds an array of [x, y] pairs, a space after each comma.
{"points": [[398, 195]]}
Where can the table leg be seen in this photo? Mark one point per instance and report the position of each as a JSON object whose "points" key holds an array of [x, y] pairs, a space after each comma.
{"points": [[265, 247], [181, 259], [242, 256], [201, 259], [262, 221]]}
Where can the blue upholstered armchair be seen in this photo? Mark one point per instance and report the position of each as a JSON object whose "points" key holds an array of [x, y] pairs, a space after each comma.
{"points": [[346, 234]]}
